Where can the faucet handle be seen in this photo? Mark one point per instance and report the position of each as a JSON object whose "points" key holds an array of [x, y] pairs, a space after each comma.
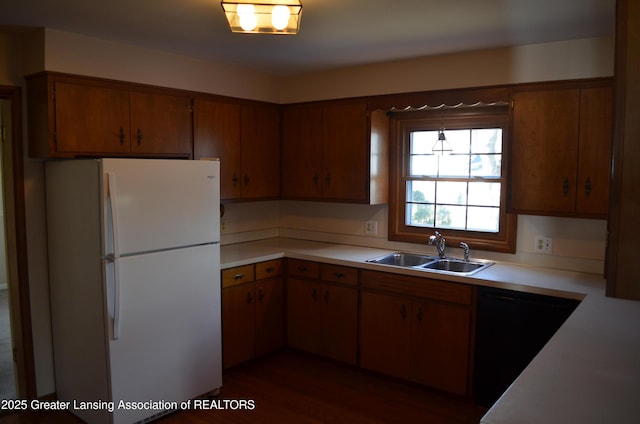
{"points": [[465, 246]]}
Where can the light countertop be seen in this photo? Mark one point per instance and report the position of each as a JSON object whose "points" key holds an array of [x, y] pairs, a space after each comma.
{"points": [[589, 372]]}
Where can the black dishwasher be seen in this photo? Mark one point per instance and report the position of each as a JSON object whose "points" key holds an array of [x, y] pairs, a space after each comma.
{"points": [[511, 328]]}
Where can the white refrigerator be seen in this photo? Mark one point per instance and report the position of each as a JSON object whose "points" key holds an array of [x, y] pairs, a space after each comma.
{"points": [[134, 269]]}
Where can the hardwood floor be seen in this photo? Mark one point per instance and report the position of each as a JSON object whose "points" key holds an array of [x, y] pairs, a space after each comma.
{"points": [[291, 387]]}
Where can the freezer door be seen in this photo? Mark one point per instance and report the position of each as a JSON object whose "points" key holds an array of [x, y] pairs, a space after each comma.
{"points": [[154, 204], [169, 344]]}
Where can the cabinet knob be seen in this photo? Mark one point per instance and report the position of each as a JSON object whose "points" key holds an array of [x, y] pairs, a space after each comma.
{"points": [[565, 186], [234, 179], [587, 187]]}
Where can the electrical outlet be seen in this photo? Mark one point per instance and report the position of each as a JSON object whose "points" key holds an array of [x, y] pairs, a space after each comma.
{"points": [[544, 245], [371, 228]]}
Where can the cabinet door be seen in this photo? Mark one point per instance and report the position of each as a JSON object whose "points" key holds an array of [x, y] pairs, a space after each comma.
{"points": [[544, 151], [238, 324], [596, 136], [340, 322], [260, 156], [345, 153], [440, 345], [385, 334], [217, 135], [160, 123], [91, 119], [303, 315], [302, 152], [269, 322]]}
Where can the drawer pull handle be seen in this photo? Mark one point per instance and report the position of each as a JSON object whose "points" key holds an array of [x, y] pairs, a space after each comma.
{"points": [[339, 274], [270, 270], [238, 276], [302, 268], [403, 311], [260, 293]]}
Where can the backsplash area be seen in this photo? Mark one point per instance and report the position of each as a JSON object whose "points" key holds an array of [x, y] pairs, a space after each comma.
{"points": [[578, 244]]}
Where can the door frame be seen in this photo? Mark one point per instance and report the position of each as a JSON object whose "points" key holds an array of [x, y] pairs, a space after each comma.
{"points": [[17, 261]]}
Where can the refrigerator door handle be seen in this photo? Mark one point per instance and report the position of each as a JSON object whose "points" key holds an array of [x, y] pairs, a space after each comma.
{"points": [[116, 300], [112, 212]]}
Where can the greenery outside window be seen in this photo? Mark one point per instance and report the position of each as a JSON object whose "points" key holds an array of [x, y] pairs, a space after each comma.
{"points": [[461, 194]]}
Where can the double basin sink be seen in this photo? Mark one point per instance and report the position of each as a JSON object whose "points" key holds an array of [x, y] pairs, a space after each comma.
{"points": [[432, 263]]}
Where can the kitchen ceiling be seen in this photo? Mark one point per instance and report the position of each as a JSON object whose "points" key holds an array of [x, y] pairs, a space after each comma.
{"points": [[333, 33]]}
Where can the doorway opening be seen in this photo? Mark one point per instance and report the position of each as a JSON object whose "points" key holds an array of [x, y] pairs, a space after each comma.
{"points": [[17, 370]]}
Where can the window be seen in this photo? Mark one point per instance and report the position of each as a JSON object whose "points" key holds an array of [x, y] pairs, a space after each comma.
{"points": [[461, 194]]}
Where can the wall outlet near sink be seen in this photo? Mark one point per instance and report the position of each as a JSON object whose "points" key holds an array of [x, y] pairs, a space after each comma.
{"points": [[371, 228], [543, 245]]}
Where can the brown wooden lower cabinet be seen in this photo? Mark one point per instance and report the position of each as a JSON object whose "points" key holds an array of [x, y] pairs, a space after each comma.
{"points": [[417, 338], [252, 312], [322, 317]]}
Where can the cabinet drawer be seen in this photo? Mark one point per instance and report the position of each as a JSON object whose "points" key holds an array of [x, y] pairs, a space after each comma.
{"points": [[300, 268], [417, 287], [268, 269], [339, 274], [237, 275]]}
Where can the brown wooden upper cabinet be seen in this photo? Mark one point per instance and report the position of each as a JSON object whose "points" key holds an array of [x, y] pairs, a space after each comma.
{"points": [[246, 139], [561, 150], [75, 116], [334, 152]]}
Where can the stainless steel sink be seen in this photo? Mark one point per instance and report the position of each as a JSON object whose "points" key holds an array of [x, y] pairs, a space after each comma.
{"points": [[403, 259], [431, 263], [457, 266]]}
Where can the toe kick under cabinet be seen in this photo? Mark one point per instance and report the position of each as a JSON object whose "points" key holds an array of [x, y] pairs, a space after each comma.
{"points": [[417, 329]]}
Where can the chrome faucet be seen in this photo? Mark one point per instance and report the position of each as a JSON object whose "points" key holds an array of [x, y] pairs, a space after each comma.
{"points": [[438, 241], [465, 246]]}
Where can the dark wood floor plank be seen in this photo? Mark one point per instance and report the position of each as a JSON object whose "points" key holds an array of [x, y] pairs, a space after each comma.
{"points": [[292, 387]]}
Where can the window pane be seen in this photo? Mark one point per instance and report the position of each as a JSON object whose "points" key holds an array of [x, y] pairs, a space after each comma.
{"points": [[484, 194], [484, 219], [486, 165], [422, 141], [451, 193], [454, 166], [451, 217], [424, 165], [486, 140], [421, 191], [420, 215], [460, 140]]}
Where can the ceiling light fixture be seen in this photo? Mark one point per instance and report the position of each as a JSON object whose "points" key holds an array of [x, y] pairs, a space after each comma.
{"points": [[268, 17], [442, 146]]}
